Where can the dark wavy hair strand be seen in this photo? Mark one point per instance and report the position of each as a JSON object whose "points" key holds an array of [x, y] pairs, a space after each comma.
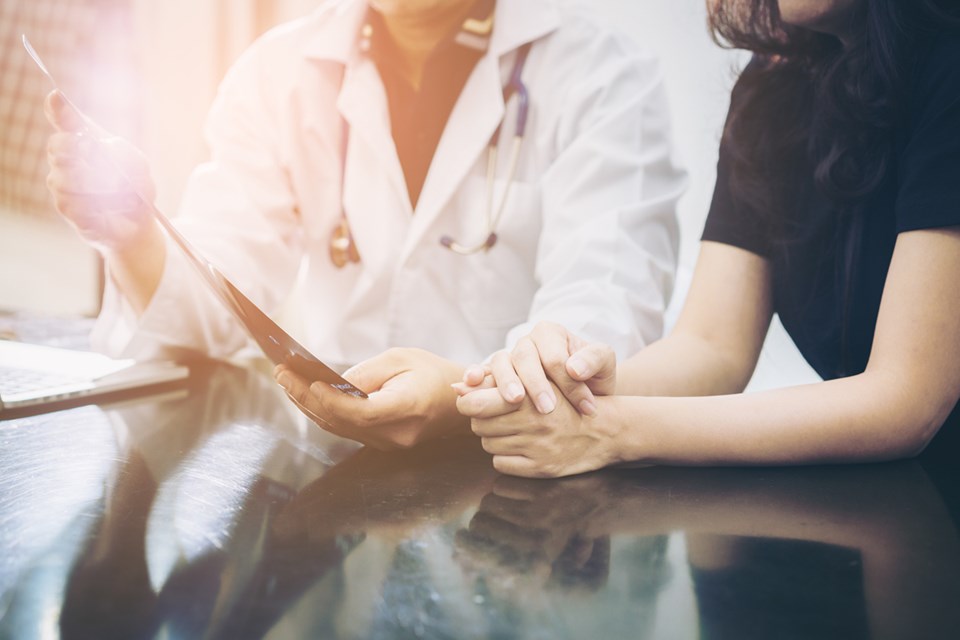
{"points": [[811, 104]]}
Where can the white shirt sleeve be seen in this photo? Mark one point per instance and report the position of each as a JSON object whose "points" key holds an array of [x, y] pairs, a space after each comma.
{"points": [[608, 251], [239, 211]]}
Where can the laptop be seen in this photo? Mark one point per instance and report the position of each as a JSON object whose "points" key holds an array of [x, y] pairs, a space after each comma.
{"points": [[36, 378]]}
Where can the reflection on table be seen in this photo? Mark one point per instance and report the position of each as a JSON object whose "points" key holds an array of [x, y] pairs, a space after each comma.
{"points": [[225, 515]]}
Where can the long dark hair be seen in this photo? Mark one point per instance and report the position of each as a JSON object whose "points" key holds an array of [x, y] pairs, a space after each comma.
{"points": [[808, 103]]}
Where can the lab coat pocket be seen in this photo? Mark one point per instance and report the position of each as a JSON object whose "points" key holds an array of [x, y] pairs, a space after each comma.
{"points": [[498, 285]]}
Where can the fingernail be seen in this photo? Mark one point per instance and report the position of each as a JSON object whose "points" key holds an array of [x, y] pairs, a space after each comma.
{"points": [[283, 380], [546, 403], [515, 391], [577, 364], [587, 408]]}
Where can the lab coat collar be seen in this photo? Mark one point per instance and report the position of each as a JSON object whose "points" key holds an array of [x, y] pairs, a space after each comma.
{"points": [[517, 22], [337, 36], [477, 112], [361, 101]]}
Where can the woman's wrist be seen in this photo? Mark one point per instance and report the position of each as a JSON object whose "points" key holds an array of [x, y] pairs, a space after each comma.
{"points": [[614, 427], [629, 428]]}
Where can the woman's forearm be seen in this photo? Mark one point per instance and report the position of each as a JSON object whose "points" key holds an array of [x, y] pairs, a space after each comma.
{"points": [[683, 365], [714, 346], [868, 417]]}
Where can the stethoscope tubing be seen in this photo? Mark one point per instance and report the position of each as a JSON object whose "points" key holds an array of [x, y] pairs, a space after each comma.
{"points": [[514, 87], [342, 245]]}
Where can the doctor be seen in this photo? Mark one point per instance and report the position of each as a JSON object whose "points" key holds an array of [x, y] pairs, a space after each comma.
{"points": [[358, 149]]}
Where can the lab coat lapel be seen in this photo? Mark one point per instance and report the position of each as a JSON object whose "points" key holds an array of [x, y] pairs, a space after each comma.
{"points": [[375, 194], [478, 111], [374, 197], [472, 122]]}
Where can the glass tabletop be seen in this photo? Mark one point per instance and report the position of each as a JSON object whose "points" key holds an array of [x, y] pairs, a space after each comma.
{"points": [[225, 514]]}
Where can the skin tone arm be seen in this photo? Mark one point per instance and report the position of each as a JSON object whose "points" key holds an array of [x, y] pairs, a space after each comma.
{"points": [[410, 400], [717, 339], [891, 410], [89, 192], [712, 349]]}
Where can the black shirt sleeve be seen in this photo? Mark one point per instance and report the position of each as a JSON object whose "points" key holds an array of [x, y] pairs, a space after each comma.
{"points": [[927, 168], [728, 220], [929, 161]]}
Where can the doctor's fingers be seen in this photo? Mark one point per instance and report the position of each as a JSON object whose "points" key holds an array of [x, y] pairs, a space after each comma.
{"points": [[334, 425], [313, 405], [99, 164], [298, 390], [462, 388], [78, 206], [371, 374], [106, 220], [310, 413], [89, 187], [363, 414], [485, 403], [67, 117], [476, 374], [388, 418]]}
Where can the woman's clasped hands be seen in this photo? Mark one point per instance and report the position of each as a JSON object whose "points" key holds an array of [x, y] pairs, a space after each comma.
{"points": [[543, 409]]}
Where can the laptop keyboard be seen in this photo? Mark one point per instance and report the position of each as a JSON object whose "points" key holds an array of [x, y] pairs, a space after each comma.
{"points": [[16, 381]]}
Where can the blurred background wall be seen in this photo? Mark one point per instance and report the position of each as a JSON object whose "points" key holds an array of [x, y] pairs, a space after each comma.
{"points": [[145, 70], [148, 70]]}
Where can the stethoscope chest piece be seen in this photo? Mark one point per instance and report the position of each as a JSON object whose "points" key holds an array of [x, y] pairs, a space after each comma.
{"points": [[448, 242], [343, 249]]}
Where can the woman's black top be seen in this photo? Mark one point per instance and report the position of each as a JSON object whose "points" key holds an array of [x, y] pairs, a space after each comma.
{"points": [[829, 268]]}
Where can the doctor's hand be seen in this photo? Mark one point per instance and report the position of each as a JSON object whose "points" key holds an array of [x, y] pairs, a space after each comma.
{"points": [[410, 399], [549, 358], [527, 442], [94, 179]]}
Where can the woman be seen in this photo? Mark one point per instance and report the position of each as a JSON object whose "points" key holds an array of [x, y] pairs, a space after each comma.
{"points": [[837, 206]]}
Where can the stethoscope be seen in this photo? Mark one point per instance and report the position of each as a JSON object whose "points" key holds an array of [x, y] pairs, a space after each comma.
{"points": [[343, 249]]}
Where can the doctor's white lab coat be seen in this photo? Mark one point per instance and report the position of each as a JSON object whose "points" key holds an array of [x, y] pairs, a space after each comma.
{"points": [[588, 238]]}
